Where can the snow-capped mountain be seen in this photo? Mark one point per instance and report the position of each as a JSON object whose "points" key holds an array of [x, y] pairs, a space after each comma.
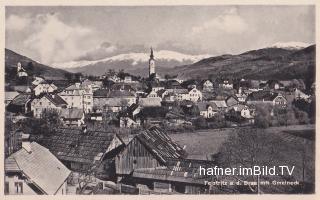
{"points": [[290, 45], [130, 62]]}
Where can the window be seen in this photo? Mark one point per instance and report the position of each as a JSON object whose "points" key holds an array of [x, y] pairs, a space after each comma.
{"points": [[19, 187], [40, 103]]}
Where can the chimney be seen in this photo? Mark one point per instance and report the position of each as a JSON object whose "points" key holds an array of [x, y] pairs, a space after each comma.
{"points": [[26, 143]]}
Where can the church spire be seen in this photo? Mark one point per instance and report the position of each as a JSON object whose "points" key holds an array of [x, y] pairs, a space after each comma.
{"points": [[151, 54]]}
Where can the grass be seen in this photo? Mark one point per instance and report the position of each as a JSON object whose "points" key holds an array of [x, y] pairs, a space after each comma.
{"points": [[201, 144]]}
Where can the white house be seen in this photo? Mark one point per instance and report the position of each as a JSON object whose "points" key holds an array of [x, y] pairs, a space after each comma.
{"points": [[34, 170], [47, 102], [207, 109], [226, 84], [207, 85], [195, 94], [21, 72], [73, 95], [37, 80], [44, 87]]}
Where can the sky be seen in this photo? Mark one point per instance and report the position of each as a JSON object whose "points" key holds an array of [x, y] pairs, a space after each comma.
{"points": [[61, 34]]}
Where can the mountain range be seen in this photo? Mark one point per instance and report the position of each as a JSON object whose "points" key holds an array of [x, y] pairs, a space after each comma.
{"points": [[135, 63], [280, 61]]}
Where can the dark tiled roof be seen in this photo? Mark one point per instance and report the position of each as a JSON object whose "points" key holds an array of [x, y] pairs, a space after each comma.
{"points": [[122, 86], [21, 99], [262, 95], [56, 99], [112, 94], [160, 144], [203, 106], [72, 144]]}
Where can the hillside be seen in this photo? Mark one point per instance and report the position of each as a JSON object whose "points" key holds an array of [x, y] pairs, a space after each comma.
{"points": [[32, 67], [268, 63]]}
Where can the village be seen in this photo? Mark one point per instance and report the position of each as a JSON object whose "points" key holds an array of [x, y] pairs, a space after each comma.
{"points": [[112, 134]]}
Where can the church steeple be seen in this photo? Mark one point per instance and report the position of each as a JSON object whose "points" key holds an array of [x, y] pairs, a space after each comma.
{"points": [[151, 54], [152, 67]]}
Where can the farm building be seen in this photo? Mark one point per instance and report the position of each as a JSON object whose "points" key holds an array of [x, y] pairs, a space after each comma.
{"points": [[150, 148]]}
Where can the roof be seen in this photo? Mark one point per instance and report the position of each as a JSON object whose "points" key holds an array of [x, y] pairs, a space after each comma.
{"points": [[72, 113], [122, 86], [113, 93], [181, 91], [220, 103], [73, 144], [40, 166], [150, 102], [55, 99], [203, 106], [160, 92], [21, 99], [10, 95], [160, 144], [262, 96]]}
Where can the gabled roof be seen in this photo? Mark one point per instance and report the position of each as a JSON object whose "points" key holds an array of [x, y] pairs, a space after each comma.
{"points": [[40, 166], [220, 103], [150, 102], [203, 106], [21, 99], [73, 144], [160, 144], [21, 88], [112, 94], [55, 99]]}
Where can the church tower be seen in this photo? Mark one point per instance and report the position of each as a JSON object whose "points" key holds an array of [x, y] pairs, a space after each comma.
{"points": [[152, 67]]}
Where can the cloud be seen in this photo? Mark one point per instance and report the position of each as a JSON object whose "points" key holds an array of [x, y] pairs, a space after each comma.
{"points": [[17, 23], [229, 22], [55, 41]]}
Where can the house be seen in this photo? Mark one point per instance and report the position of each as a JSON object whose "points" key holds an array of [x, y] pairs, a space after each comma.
{"points": [[221, 104], [20, 104], [72, 116], [152, 94], [179, 176], [298, 94], [207, 85], [9, 96], [275, 84], [266, 97], [114, 100], [44, 87], [47, 102], [128, 122], [21, 72], [88, 100], [13, 142], [181, 94], [240, 113], [231, 101], [149, 149], [207, 109], [176, 118], [80, 148], [35, 170], [156, 86], [123, 87], [226, 84], [73, 95], [195, 94], [162, 93], [241, 96]]}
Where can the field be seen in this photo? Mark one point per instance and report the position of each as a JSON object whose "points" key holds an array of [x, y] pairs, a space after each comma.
{"points": [[201, 144]]}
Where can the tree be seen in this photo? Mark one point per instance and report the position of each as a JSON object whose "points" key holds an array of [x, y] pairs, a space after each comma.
{"points": [[262, 117], [51, 118], [256, 147], [200, 123]]}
